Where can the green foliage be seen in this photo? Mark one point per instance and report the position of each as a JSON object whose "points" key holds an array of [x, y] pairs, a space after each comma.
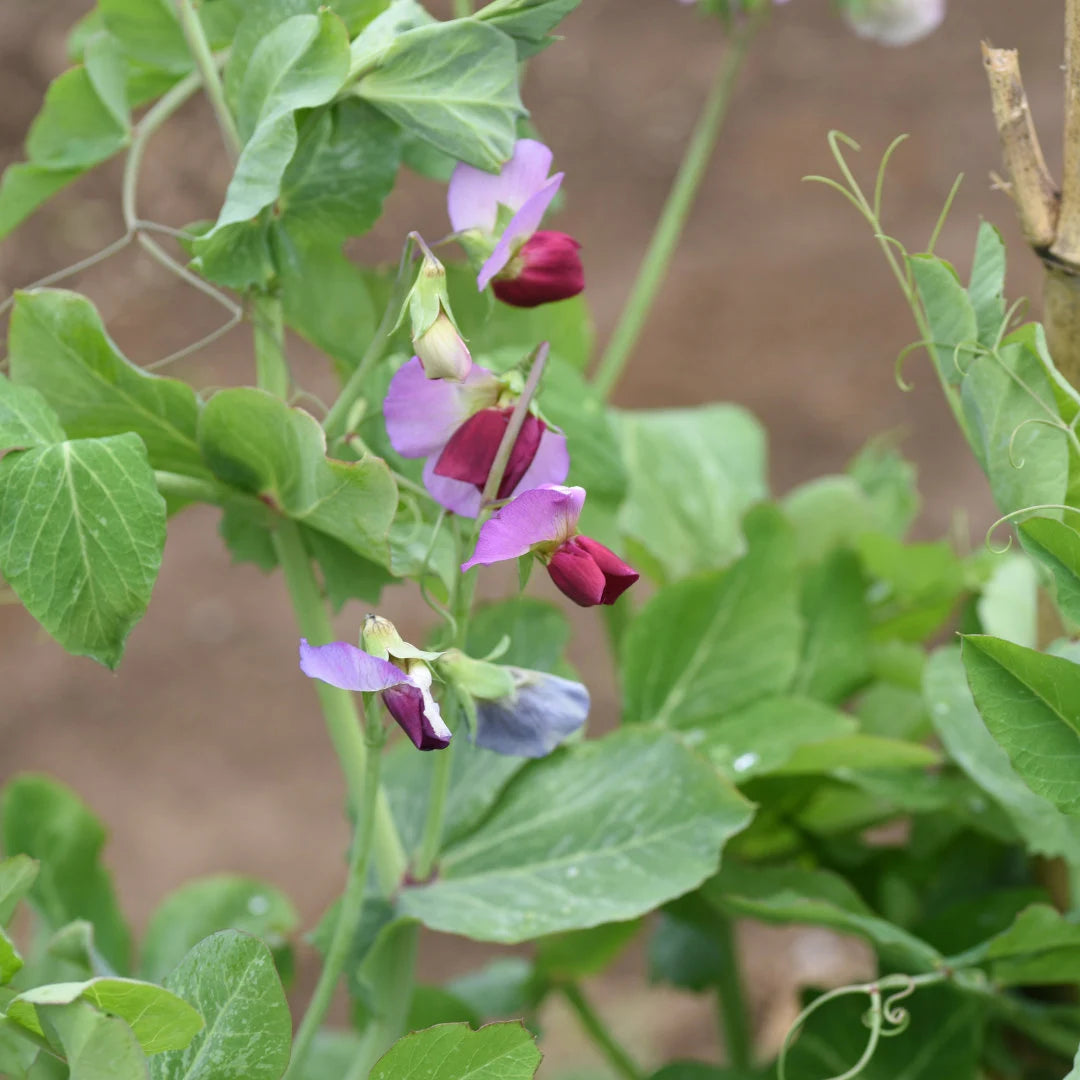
{"points": [[17, 876], [97, 1046], [449, 1051], [1057, 547], [528, 22]]}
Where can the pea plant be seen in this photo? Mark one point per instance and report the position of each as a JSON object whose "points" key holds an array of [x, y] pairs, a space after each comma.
{"points": [[803, 737]]}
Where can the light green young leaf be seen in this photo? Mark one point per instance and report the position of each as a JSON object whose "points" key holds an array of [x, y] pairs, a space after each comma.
{"points": [[949, 313], [230, 980], [504, 1051], [10, 960], [82, 530], [1008, 606], [97, 1047], [847, 753], [889, 481], [75, 128], [528, 22], [599, 832], [107, 70], [1031, 704], [454, 84], [1041, 947], [17, 876], [828, 512], [202, 907], [43, 820], [1057, 547], [149, 31], [26, 419], [986, 289], [712, 644], [158, 1018], [59, 346], [693, 473]]}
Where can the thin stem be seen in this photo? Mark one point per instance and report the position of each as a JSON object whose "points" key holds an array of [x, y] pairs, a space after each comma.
{"points": [[338, 706], [271, 367], [732, 1002], [431, 839], [676, 210], [350, 911], [596, 1029], [1067, 242], [208, 75]]}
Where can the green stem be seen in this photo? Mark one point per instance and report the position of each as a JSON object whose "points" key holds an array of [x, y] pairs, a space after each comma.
{"points": [[271, 367], [431, 838], [673, 217], [208, 73], [732, 1002], [605, 1042], [349, 914]]}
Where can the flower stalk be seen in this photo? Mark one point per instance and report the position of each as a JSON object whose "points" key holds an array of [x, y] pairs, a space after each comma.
{"points": [[597, 1030]]}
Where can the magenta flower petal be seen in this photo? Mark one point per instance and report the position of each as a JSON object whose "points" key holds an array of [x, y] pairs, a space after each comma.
{"points": [[522, 225], [416, 711], [550, 465], [542, 515], [618, 575], [473, 197], [547, 268], [422, 414], [577, 575], [348, 668], [455, 495]]}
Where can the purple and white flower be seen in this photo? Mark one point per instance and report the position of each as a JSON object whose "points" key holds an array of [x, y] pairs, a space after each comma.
{"points": [[405, 690], [525, 265], [543, 522], [458, 427]]}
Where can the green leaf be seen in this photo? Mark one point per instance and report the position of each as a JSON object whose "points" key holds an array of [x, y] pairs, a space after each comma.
{"points": [[454, 1051], [1008, 606], [255, 442], [501, 989], [25, 187], [345, 575], [454, 84], [433, 1005], [17, 875], [693, 474], [75, 128], [149, 31], [764, 736], [986, 289], [888, 480], [247, 538], [580, 954], [97, 1047], [1041, 947], [1045, 829], [849, 752], [1057, 547], [829, 512], [59, 346], [597, 833], [82, 529], [712, 644], [202, 907], [10, 960], [26, 419], [158, 1019], [397, 17], [528, 22], [74, 946], [816, 898], [1030, 702], [230, 980], [684, 954], [949, 314], [538, 632], [42, 819]]}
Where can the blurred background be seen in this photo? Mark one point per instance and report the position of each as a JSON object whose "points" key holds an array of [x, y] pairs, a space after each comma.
{"points": [[206, 752]]}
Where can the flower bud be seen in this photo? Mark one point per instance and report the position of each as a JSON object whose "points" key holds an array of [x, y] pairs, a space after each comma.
{"points": [[379, 637], [894, 22], [590, 573], [470, 453], [545, 268], [442, 350]]}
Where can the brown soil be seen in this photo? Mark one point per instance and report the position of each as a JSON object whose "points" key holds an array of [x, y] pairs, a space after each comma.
{"points": [[205, 752]]}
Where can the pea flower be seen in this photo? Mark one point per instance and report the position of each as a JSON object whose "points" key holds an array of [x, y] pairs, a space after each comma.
{"points": [[894, 22], [405, 686], [524, 267], [458, 427], [439, 346], [518, 712], [544, 521]]}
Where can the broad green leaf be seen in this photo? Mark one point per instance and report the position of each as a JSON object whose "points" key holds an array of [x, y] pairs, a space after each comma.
{"points": [[230, 980], [949, 314], [1027, 463], [538, 632], [97, 1047], [75, 128], [25, 187], [888, 480], [596, 833], [836, 646], [433, 1005], [345, 166], [712, 644], [829, 512], [59, 347], [200, 908], [1041, 947], [454, 84], [964, 735], [159, 1019], [1030, 702], [107, 69], [817, 898], [345, 575], [257, 443], [501, 989], [10, 960], [248, 538], [762, 737], [42, 819], [578, 954], [528, 22], [82, 529], [1057, 547], [851, 752], [454, 1051], [693, 473], [74, 945], [986, 289], [149, 31], [380, 33], [17, 876], [683, 953], [25, 418], [1008, 606]]}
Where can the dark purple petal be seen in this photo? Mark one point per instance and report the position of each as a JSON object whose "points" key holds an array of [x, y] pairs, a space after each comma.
{"points": [[542, 515], [618, 575], [521, 454], [347, 667], [472, 449], [542, 711], [474, 196], [547, 268], [418, 716], [576, 574]]}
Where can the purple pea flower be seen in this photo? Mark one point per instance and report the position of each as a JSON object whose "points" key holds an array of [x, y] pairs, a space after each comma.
{"points": [[458, 426], [405, 693], [525, 267], [544, 521], [542, 711]]}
